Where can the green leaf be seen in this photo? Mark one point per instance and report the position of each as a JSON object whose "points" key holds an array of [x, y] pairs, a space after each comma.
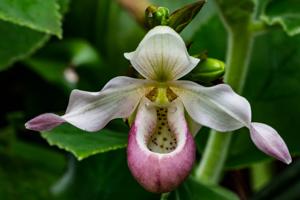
{"points": [[39, 15], [83, 144], [193, 190], [104, 176], [27, 170], [18, 42], [285, 13]]}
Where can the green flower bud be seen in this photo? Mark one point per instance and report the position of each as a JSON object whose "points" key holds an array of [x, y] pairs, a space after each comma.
{"points": [[208, 70], [155, 16]]}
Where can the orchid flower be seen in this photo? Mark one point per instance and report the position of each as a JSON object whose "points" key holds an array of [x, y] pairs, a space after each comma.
{"points": [[161, 149]]}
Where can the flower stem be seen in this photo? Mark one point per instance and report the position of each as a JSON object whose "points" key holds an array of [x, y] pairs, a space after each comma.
{"points": [[216, 150], [260, 174]]}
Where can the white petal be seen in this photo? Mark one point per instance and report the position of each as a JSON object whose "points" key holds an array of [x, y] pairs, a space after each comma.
{"points": [[91, 111], [217, 107], [162, 55], [269, 141]]}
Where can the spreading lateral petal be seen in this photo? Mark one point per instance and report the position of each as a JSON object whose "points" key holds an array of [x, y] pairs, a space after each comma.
{"points": [[91, 111], [217, 107]]}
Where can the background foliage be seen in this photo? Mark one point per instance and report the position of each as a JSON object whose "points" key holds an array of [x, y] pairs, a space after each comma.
{"points": [[48, 48]]}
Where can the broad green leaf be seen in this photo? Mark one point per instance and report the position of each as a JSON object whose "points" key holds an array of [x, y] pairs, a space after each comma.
{"points": [[84, 144], [193, 190], [39, 15], [27, 170], [104, 176], [286, 13], [18, 42]]}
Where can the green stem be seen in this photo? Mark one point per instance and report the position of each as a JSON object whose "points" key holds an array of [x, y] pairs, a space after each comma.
{"points": [[214, 157], [260, 175], [216, 150]]}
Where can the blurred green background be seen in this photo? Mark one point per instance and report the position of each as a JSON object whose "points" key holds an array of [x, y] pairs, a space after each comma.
{"points": [[49, 47]]}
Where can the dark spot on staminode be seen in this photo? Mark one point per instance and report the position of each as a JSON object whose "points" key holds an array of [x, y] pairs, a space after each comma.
{"points": [[165, 139], [163, 123]]}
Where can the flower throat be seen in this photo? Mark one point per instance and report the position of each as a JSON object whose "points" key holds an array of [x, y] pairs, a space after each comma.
{"points": [[163, 140]]}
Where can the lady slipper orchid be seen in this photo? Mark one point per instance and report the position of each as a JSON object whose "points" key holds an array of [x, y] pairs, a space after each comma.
{"points": [[161, 150]]}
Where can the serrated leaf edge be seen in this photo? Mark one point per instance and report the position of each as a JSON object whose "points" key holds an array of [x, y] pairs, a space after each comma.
{"points": [[279, 20], [58, 17], [35, 47], [82, 156]]}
